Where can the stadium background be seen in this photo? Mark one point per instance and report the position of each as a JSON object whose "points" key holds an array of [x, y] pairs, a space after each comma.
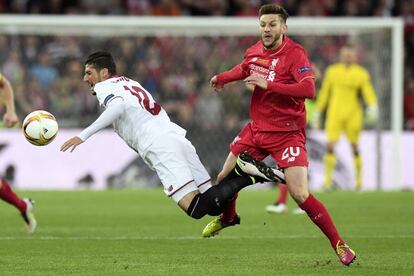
{"points": [[140, 231], [45, 71]]}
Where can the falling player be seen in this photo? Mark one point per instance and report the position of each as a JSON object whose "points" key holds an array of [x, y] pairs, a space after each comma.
{"points": [[145, 126]]}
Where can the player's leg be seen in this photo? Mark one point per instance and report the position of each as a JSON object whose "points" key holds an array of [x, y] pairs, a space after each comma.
{"points": [[242, 142], [187, 195], [256, 171], [200, 174], [229, 216], [294, 160], [24, 205], [8, 195], [358, 167], [216, 198], [353, 131], [169, 157], [296, 178], [179, 184], [236, 167], [333, 132]]}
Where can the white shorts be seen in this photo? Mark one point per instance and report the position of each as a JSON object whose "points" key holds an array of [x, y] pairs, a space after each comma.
{"points": [[178, 166]]}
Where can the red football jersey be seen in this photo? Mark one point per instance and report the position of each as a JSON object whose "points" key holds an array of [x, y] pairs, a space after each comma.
{"points": [[288, 64]]}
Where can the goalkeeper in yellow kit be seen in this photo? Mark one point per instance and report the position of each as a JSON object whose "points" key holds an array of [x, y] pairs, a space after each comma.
{"points": [[342, 87]]}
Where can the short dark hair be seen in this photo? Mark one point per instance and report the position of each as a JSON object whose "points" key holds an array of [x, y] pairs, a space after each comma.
{"points": [[274, 9], [101, 60]]}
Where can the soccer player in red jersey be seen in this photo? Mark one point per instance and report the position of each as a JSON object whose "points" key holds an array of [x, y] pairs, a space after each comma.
{"points": [[25, 205], [280, 76]]}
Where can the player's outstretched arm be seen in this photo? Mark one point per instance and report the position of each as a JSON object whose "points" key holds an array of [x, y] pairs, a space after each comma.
{"points": [[238, 72], [71, 143], [113, 112]]}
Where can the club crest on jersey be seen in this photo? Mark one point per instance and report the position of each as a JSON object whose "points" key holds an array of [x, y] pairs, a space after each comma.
{"points": [[272, 74]]}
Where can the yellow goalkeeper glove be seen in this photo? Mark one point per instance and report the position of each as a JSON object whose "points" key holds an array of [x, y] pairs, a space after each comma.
{"points": [[371, 114]]}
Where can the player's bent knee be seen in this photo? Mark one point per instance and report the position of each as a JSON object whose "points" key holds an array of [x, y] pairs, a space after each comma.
{"points": [[196, 209], [186, 200], [300, 196], [207, 203], [299, 193]]}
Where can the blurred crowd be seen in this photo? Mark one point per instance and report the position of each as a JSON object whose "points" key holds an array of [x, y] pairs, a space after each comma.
{"points": [[46, 70], [209, 7]]}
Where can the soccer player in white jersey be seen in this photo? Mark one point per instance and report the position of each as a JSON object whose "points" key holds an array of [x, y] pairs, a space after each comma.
{"points": [[145, 126]]}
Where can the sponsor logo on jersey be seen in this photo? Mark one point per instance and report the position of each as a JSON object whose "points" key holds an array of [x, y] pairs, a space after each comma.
{"points": [[257, 68], [304, 69], [260, 61], [264, 62]]}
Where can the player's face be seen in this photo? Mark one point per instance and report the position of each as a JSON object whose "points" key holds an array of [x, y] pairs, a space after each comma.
{"points": [[348, 55], [91, 77], [272, 28]]}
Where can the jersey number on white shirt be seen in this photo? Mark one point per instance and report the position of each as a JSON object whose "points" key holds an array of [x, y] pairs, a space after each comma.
{"points": [[145, 102]]}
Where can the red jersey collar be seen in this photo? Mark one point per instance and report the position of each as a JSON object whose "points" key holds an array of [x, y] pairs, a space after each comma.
{"points": [[278, 49], [113, 76]]}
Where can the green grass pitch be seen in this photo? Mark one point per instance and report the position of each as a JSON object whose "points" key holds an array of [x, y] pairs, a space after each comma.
{"points": [[141, 232]]}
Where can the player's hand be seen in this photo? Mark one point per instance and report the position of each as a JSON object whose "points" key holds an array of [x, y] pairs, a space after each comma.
{"points": [[316, 120], [256, 81], [71, 143], [250, 87], [371, 114], [10, 119], [215, 84]]}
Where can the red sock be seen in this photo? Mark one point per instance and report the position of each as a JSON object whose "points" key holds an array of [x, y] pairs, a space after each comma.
{"points": [[320, 216], [283, 192], [230, 211], [7, 194]]}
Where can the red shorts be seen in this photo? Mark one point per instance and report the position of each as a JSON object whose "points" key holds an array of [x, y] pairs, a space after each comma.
{"points": [[288, 148]]}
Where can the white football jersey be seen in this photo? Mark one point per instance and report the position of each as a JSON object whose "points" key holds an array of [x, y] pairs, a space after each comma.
{"points": [[143, 120]]}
